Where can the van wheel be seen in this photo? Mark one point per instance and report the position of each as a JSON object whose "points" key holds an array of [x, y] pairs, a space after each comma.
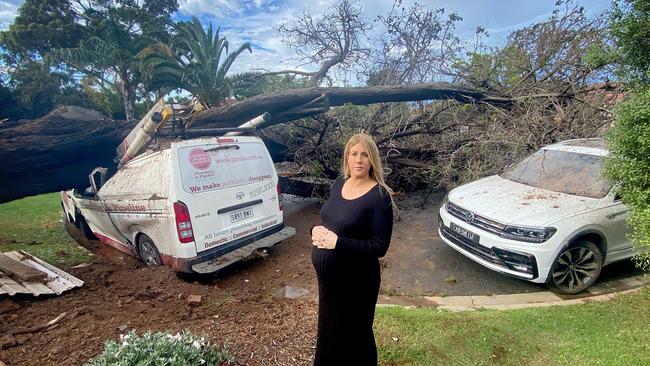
{"points": [[85, 229], [576, 268], [148, 251]]}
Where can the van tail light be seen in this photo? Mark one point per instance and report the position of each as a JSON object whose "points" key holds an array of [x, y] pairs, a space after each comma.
{"points": [[183, 223], [279, 196]]}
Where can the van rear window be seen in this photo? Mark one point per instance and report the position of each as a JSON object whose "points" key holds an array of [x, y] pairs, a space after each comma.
{"points": [[219, 166]]}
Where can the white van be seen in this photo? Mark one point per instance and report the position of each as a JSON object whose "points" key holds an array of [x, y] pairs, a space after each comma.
{"points": [[196, 206]]}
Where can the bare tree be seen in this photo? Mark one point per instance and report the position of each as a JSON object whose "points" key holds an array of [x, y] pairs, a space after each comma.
{"points": [[334, 40], [418, 45]]}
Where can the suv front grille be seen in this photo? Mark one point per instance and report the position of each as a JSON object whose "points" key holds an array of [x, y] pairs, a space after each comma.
{"points": [[470, 246], [471, 218], [523, 263]]}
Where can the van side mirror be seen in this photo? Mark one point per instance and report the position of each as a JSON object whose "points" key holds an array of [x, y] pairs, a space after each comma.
{"points": [[97, 178]]}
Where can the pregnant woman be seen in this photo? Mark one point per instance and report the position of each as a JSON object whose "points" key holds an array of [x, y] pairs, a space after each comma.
{"points": [[355, 231]]}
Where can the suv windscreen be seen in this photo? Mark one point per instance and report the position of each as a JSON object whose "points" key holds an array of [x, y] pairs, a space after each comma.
{"points": [[561, 171]]}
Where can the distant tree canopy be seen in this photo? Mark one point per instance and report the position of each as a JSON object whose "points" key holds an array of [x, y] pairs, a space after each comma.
{"points": [[629, 28], [42, 26], [629, 139], [96, 38]]}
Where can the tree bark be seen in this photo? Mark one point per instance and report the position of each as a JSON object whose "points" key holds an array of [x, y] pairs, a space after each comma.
{"points": [[57, 151], [128, 98], [297, 103]]}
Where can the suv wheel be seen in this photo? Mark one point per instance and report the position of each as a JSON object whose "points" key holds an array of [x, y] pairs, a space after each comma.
{"points": [[148, 251], [576, 268]]}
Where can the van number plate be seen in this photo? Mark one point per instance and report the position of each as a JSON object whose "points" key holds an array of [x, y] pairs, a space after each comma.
{"points": [[241, 215], [464, 232]]}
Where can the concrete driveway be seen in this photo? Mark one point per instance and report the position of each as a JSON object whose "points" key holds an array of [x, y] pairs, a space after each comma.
{"points": [[420, 263]]}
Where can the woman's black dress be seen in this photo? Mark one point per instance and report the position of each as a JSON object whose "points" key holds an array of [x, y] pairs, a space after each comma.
{"points": [[348, 276]]}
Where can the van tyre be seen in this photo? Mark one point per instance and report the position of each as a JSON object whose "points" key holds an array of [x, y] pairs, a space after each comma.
{"points": [[576, 268], [85, 229], [148, 251]]}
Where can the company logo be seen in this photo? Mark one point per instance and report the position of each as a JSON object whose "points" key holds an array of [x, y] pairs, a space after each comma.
{"points": [[199, 159], [469, 217], [240, 195]]}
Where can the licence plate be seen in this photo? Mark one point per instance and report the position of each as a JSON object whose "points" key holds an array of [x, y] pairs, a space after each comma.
{"points": [[464, 232], [241, 215]]}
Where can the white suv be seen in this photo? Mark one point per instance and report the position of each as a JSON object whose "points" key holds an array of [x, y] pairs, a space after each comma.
{"points": [[551, 218]]}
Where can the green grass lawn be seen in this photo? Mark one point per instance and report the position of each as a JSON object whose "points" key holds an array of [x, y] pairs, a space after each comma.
{"points": [[35, 224], [604, 333]]}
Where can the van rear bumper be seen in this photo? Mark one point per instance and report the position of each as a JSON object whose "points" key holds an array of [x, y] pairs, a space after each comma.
{"points": [[222, 256]]}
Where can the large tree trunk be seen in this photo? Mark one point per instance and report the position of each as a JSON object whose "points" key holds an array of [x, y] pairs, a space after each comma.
{"points": [[56, 152], [292, 104]]}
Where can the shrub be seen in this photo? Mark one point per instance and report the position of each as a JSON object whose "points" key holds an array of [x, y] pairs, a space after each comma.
{"points": [[158, 349], [629, 165]]}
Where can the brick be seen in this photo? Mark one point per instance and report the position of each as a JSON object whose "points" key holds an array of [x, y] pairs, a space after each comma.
{"points": [[194, 300]]}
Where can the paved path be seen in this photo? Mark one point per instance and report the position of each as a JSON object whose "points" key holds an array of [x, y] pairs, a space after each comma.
{"points": [[602, 291]]}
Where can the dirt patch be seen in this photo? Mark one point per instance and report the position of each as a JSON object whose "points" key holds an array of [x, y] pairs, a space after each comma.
{"points": [[240, 307]]}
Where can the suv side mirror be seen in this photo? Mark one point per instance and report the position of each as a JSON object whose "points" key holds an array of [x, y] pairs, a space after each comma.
{"points": [[97, 178], [618, 198], [616, 189]]}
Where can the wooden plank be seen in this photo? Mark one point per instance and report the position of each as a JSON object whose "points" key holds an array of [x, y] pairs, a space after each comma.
{"points": [[20, 270]]}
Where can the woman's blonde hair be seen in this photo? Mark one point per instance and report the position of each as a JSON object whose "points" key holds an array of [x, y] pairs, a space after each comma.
{"points": [[376, 171]]}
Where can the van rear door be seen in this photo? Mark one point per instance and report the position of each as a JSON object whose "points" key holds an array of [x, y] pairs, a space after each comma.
{"points": [[230, 189]]}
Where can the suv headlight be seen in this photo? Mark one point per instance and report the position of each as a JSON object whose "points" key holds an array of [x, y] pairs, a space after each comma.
{"points": [[527, 233], [445, 200]]}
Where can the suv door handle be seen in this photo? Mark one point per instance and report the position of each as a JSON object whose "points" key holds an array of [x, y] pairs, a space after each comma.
{"points": [[612, 216]]}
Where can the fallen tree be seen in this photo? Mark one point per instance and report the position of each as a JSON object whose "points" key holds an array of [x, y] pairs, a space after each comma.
{"points": [[59, 150], [293, 104]]}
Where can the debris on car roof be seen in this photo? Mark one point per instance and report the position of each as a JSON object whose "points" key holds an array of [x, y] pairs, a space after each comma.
{"points": [[586, 142], [23, 273]]}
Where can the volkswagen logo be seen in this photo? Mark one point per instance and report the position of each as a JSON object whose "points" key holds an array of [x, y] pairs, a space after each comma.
{"points": [[240, 195], [469, 217]]}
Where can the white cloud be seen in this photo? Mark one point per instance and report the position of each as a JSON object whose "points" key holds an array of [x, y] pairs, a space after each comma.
{"points": [[8, 11], [256, 22], [218, 8]]}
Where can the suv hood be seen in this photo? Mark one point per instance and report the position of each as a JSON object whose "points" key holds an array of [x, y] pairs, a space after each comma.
{"points": [[514, 203]]}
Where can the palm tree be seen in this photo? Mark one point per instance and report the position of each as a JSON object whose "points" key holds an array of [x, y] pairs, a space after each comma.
{"points": [[192, 62]]}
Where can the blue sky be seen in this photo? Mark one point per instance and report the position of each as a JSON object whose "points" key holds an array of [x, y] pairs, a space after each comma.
{"points": [[257, 21]]}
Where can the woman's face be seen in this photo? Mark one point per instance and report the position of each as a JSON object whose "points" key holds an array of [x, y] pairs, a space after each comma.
{"points": [[359, 161]]}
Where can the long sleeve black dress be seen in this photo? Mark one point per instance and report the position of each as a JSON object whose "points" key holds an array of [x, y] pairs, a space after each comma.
{"points": [[348, 276]]}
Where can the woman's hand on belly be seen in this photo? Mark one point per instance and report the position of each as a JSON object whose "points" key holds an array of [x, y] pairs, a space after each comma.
{"points": [[323, 238]]}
